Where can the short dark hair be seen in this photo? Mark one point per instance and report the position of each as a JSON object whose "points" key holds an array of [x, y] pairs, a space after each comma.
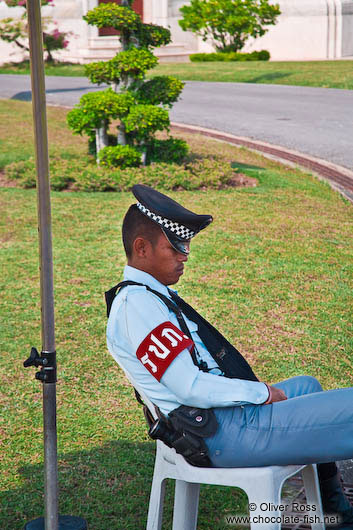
{"points": [[136, 224]]}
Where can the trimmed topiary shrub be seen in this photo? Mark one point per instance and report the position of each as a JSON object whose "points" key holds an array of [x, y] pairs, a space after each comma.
{"points": [[173, 150], [162, 89], [95, 107], [152, 36], [144, 120], [145, 107], [119, 156], [121, 18]]}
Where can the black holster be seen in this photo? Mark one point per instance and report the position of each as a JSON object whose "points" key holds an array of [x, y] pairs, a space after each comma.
{"points": [[185, 429]]}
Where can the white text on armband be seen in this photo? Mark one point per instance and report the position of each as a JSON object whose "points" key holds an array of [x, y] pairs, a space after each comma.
{"points": [[160, 348]]}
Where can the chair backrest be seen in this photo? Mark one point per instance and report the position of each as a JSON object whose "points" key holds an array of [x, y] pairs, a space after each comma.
{"points": [[140, 390]]}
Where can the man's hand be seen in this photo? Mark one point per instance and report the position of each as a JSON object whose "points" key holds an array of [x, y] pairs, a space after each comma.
{"points": [[275, 394]]}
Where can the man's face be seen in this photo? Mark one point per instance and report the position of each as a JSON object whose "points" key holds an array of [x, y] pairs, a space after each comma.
{"points": [[164, 262]]}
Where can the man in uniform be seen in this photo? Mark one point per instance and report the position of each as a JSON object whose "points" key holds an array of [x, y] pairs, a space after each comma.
{"points": [[181, 361]]}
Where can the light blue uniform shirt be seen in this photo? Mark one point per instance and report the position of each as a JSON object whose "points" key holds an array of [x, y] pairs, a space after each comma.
{"points": [[134, 314]]}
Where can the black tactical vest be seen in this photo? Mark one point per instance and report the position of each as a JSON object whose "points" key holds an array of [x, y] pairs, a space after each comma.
{"points": [[229, 360]]}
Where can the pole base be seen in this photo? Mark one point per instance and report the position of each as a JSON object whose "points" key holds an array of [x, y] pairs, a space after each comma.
{"points": [[66, 522]]}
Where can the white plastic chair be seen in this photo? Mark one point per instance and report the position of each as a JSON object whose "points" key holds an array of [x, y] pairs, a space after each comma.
{"points": [[261, 484]]}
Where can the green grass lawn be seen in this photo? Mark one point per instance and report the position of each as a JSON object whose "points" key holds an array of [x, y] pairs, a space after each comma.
{"points": [[66, 69], [274, 272], [332, 74]]}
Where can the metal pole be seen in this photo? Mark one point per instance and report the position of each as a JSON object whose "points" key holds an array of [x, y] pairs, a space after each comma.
{"points": [[47, 359], [46, 258]]}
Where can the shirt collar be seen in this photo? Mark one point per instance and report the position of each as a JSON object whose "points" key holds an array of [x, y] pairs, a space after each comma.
{"points": [[136, 275]]}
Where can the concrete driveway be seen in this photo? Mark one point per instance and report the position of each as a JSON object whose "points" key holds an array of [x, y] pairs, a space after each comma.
{"points": [[314, 121]]}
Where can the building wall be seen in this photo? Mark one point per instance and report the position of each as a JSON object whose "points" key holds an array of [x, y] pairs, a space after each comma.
{"points": [[347, 28], [306, 29], [301, 31], [186, 38]]}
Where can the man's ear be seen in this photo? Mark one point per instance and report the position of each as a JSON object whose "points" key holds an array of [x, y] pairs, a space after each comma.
{"points": [[140, 247]]}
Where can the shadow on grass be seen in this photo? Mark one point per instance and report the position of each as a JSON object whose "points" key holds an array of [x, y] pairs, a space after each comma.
{"points": [[109, 486], [245, 167], [269, 77]]}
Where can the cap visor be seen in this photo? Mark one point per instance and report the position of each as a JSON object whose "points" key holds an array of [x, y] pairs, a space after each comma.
{"points": [[182, 246]]}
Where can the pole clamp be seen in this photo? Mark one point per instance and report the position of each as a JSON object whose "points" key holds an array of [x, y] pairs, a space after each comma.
{"points": [[47, 361]]}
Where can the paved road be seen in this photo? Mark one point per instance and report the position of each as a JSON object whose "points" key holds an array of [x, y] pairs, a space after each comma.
{"points": [[314, 121]]}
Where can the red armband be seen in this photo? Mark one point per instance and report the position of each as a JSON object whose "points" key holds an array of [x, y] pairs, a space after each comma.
{"points": [[161, 346]]}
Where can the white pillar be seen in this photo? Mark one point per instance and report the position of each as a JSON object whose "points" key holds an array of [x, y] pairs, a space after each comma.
{"points": [[160, 12], [338, 28], [334, 29], [91, 31]]}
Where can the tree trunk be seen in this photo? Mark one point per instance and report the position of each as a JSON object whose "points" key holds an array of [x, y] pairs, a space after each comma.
{"points": [[126, 40], [144, 157], [144, 152], [50, 57], [22, 46], [101, 138], [122, 135]]}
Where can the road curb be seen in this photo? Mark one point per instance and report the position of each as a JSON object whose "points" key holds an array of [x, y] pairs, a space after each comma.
{"points": [[339, 177]]}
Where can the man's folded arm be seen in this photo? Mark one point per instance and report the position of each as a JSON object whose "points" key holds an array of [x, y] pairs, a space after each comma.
{"points": [[190, 385], [201, 389]]}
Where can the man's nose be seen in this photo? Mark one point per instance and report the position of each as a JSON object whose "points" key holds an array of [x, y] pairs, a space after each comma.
{"points": [[183, 257]]}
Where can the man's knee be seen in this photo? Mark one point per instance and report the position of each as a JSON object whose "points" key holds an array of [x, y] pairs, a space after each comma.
{"points": [[299, 385], [308, 384]]}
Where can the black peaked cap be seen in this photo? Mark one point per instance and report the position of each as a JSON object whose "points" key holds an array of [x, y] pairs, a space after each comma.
{"points": [[178, 223]]}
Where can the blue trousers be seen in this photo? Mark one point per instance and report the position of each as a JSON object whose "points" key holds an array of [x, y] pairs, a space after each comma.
{"points": [[311, 426]]}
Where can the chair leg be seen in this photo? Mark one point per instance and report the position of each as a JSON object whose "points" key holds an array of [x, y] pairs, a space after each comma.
{"points": [[313, 495], [186, 505], [263, 497], [155, 509]]}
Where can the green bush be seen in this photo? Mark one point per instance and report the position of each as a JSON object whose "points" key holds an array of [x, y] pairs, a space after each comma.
{"points": [[134, 62], [127, 69], [164, 90], [114, 16], [153, 36], [95, 107], [119, 156], [22, 171], [144, 120], [92, 148], [172, 150], [69, 171], [228, 23], [262, 55], [102, 72], [206, 57]]}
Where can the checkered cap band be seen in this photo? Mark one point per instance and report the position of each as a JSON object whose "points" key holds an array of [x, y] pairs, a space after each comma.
{"points": [[179, 230]]}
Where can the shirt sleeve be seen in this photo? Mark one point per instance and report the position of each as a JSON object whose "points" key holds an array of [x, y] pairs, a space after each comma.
{"points": [[201, 389], [143, 312]]}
